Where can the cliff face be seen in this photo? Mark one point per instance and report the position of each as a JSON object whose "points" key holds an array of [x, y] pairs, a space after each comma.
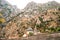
{"points": [[7, 10]]}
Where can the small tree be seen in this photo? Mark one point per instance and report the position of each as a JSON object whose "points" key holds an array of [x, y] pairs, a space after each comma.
{"points": [[43, 24], [41, 19]]}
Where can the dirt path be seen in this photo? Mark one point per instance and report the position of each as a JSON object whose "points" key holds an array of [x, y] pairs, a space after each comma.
{"points": [[55, 36]]}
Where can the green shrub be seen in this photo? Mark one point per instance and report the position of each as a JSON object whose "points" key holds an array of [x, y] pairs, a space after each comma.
{"points": [[37, 26], [30, 33], [58, 29], [41, 19]]}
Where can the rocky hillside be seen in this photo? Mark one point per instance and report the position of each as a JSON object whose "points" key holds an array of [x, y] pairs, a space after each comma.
{"points": [[47, 22], [35, 18]]}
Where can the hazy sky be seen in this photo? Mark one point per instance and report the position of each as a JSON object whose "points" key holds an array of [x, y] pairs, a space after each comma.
{"points": [[22, 3]]}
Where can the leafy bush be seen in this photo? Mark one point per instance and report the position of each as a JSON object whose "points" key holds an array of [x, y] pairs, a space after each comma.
{"points": [[30, 33], [37, 26], [41, 19], [58, 29]]}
